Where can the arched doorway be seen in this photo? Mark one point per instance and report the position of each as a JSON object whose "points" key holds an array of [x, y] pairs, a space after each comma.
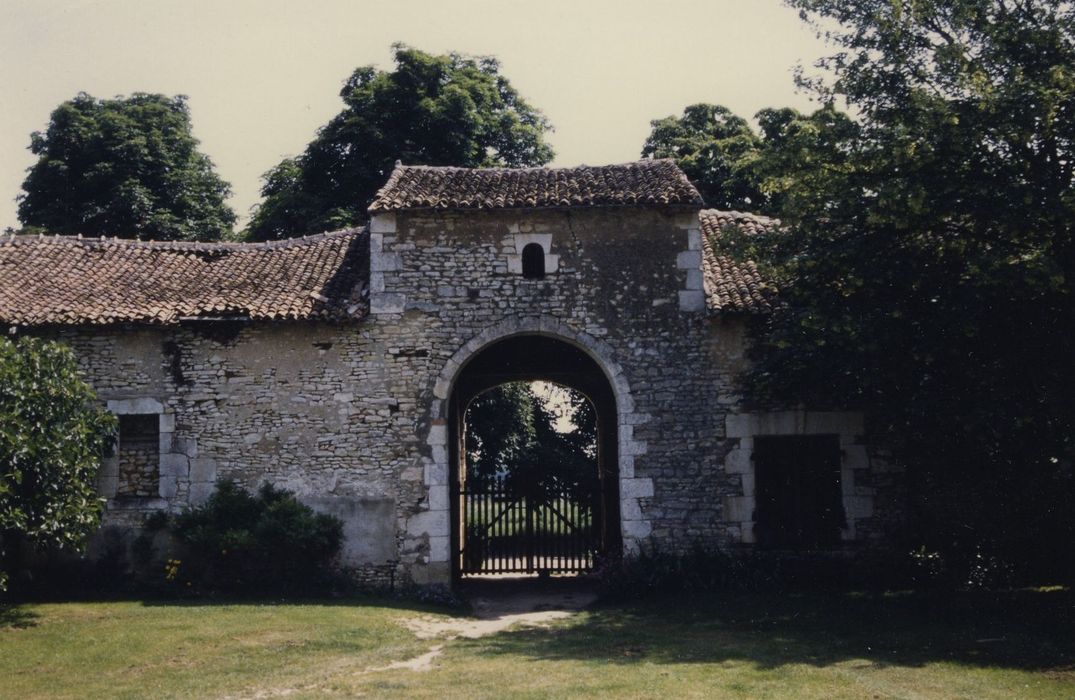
{"points": [[536, 524]]}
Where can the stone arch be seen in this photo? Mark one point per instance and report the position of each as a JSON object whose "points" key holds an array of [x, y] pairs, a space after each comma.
{"points": [[434, 523]]}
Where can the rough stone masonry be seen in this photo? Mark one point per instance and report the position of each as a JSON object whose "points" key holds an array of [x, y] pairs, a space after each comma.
{"points": [[326, 365]]}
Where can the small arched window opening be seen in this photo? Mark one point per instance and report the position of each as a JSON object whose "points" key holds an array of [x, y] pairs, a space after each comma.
{"points": [[533, 261]]}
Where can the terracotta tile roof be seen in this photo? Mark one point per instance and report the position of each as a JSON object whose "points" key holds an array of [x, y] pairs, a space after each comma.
{"points": [[62, 280], [646, 183], [733, 285]]}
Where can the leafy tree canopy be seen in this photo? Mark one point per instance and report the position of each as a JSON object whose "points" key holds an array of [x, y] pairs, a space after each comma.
{"points": [[52, 439], [127, 167], [431, 110], [928, 266], [511, 434], [710, 143], [799, 155]]}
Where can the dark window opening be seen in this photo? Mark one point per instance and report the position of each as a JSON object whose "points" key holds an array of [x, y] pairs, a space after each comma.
{"points": [[533, 261], [797, 486], [139, 455]]}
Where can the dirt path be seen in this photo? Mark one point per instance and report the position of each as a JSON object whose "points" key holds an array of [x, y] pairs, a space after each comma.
{"points": [[496, 607]]}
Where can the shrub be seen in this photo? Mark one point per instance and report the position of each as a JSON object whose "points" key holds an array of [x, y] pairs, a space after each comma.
{"points": [[52, 439], [238, 542], [699, 570]]}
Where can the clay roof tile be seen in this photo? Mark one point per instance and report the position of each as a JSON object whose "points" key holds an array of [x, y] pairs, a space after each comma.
{"points": [[75, 281], [733, 285], [643, 183]]}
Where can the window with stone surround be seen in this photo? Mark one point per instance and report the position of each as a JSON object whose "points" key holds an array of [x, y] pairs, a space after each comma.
{"points": [[533, 261], [138, 455], [799, 502], [530, 256]]}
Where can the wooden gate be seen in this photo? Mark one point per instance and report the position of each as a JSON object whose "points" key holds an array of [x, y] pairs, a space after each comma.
{"points": [[526, 526]]}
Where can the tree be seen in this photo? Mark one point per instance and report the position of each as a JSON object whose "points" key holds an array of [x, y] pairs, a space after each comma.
{"points": [[796, 150], [52, 439], [511, 434], [928, 274], [431, 110], [126, 167], [709, 143]]}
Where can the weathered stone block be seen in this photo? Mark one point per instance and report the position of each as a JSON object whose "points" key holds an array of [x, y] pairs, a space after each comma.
{"points": [[433, 523], [636, 529], [738, 508], [636, 488], [383, 223], [203, 469], [173, 465], [747, 481], [436, 474], [200, 493], [439, 549], [369, 526], [169, 487], [691, 300], [387, 303], [385, 262], [689, 260], [738, 462], [135, 406]]}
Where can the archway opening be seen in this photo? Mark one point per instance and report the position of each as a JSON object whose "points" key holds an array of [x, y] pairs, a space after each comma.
{"points": [[535, 483]]}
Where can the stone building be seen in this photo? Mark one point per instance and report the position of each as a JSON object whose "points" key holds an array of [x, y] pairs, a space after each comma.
{"points": [[338, 365]]}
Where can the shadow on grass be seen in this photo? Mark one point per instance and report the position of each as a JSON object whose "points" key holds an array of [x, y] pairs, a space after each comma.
{"points": [[1018, 630], [360, 601], [17, 617]]}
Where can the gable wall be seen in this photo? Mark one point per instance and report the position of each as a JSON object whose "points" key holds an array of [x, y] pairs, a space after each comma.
{"points": [[622, 291]]}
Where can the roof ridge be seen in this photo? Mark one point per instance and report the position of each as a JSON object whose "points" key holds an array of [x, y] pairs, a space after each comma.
{"points": [[501, 168], [647, 182], [194, 246]]}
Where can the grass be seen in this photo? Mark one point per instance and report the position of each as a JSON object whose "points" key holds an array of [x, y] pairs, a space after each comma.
{"points": [[758, 645]]}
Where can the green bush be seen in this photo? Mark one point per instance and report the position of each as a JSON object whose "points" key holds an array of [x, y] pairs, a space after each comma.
{"points": [[52, 439], [699, 570], [238, 542]]}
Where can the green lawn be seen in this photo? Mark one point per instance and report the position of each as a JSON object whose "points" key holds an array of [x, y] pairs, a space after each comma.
{"points": [[735, 645]]}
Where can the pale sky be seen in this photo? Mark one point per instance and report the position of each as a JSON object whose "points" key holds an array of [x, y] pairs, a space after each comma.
{"points": [[263, 75]]}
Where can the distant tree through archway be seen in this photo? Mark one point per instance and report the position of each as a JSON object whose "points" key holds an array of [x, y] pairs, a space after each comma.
{"points": [[531, 495]]}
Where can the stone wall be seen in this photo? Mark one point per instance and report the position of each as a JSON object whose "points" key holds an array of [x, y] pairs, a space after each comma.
{"points": [[622, 286], [138, 470], [352, 417], [303, 406]]}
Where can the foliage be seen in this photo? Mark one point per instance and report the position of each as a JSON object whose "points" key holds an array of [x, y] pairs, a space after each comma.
{"points": [[431, 110], [800, 155], [127, 167], [244, 543], [710, 144], [650, 572], [52, 440], [511, 435], [928, 265]]}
